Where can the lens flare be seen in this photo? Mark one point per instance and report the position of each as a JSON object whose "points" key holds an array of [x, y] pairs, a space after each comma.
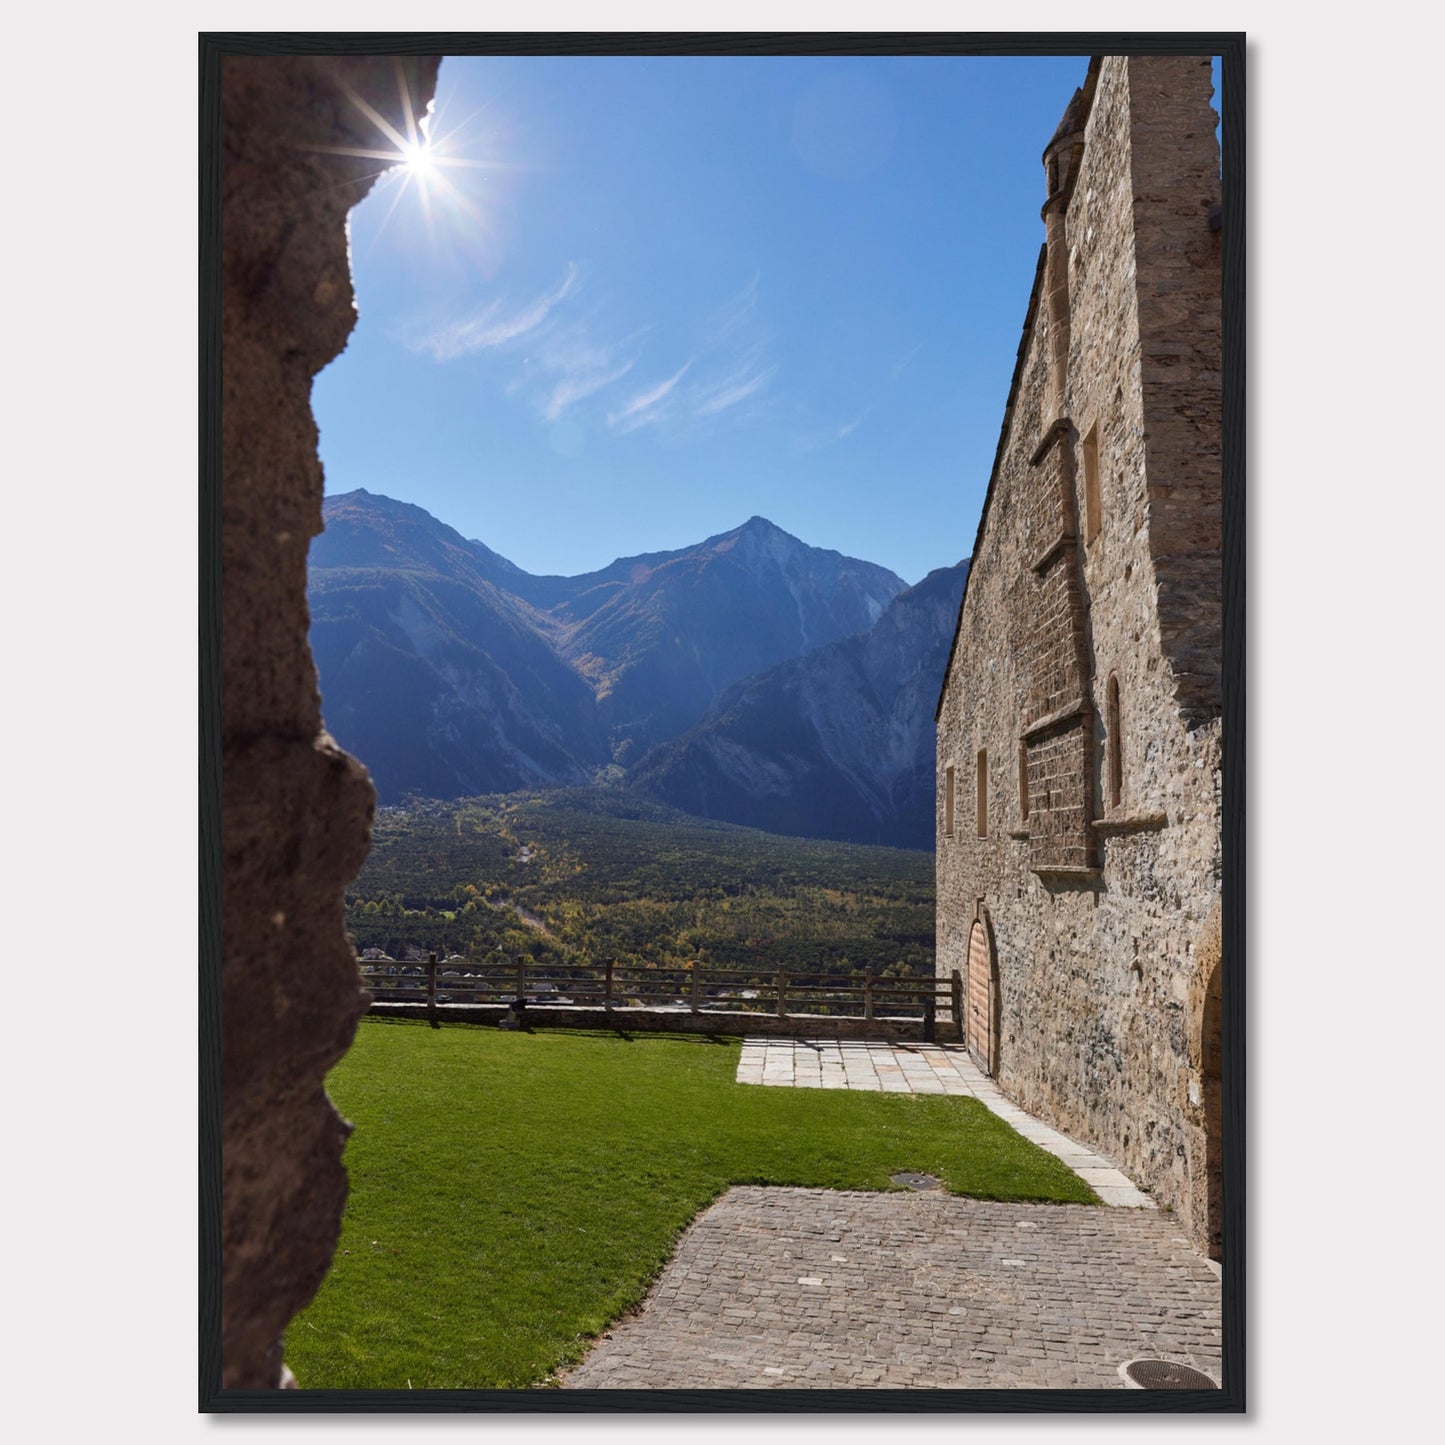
{"points": [[418, 162], [417, 159]]}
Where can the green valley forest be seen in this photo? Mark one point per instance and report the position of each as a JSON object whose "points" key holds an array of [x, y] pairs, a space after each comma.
{"points": [[582, 875]]}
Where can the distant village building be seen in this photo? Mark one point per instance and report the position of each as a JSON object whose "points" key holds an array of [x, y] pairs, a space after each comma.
{"points": [[1079, 738]]}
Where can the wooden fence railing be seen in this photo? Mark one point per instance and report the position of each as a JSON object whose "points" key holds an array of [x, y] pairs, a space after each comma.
{"points": [[615, 987]]}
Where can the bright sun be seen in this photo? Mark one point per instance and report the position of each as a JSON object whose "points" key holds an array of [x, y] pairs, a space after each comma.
{"points": [[415, 156], [417, 159]]}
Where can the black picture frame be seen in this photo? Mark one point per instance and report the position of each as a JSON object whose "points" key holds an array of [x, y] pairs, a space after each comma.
{"points": [[1230, 1398]]}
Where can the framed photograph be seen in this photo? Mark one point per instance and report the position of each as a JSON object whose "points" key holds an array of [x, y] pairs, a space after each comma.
{"points": [[722, 722]]}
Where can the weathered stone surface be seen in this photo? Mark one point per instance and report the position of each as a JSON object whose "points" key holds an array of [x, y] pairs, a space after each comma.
{"points": [[296, 810], [1088, 656]]}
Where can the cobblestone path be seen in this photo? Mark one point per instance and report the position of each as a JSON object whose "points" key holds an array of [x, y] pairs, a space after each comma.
{"points": [[828, 1289]]}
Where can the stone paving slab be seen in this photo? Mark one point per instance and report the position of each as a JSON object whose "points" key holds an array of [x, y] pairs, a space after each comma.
{"points": [[839, 1289], [924, 1069]]}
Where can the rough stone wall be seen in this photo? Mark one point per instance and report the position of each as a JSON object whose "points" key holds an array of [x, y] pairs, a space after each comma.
{"points": [[1058, 734], [1176, 181], [296, 809], [1102, 965]]}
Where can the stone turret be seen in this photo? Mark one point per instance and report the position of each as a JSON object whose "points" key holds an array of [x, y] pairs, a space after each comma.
{"points": [[1061, 165]]}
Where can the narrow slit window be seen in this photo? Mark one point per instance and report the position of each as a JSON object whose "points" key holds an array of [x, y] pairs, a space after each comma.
{"points": [[1115, 741], [948, 801], [983, 793], [1024, 781], [1092, 510]]}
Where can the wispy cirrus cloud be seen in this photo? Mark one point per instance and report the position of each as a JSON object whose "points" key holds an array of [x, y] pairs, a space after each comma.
{"points": [[904, 362], [577, 384], [734, 389], [737, 314], [561, 356], [494, 325], [737, 346], [567, 364], [830, 437], [558, 359], [645, 407]]}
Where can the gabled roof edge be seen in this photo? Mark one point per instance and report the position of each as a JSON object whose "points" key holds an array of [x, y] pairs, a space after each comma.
{"points": [[1091, 81], [1008, 412]]}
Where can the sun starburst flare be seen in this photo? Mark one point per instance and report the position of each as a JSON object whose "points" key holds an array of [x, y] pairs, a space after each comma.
{"points": [[417, 159]]}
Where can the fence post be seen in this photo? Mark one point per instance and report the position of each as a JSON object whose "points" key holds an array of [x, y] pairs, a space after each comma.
{"points": [[696, 981], [930, 1008], [521, 982], [431, 990], [957, 984], [868, 993], [607, 991], [782, 992]]}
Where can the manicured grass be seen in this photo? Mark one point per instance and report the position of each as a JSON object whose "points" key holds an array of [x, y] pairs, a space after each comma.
{"points": [[512, 1194]]}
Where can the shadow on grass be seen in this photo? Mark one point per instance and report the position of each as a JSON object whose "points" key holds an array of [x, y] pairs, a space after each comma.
{"points": [[630, 1036], [637, 1036]]}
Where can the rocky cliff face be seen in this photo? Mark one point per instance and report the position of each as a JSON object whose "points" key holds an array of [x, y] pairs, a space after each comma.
{"points": [[441, 680], [451, 671], [836, 744], [444, 690], [662, 637]]}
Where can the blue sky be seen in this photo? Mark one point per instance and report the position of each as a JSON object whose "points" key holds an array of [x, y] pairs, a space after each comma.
{"points": [[658, 295]]}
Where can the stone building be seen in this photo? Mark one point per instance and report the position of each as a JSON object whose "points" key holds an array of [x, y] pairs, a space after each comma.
{"points": [[1079, 745]]}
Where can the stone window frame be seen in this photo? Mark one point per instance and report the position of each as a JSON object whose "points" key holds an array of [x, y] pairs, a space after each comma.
{"points": [[949, 800], [1093, 500], [981, 793], [1023, 780], [1113, 744]]}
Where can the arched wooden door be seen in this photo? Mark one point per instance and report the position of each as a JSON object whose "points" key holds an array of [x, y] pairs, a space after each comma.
{"points": [[980, 1007]]}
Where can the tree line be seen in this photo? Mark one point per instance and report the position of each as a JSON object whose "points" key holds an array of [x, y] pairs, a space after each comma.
{"points": [[582, 875]]}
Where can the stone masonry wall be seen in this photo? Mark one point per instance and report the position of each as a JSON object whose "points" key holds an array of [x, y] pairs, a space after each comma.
{"points": [[1101, 970], [296, 809], [1058, 722], [1176, 182]]}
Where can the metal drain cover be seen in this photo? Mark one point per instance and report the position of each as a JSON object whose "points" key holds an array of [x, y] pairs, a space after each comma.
{"points": [[1166, 1375], [916, 1181]]}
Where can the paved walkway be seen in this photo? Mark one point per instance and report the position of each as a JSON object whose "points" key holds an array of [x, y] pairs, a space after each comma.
{"points": [[833, 1289], [816, 1288], [923, 1069]]}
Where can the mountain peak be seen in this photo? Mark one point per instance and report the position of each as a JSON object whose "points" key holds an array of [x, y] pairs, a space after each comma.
{"points": [[759, 530], [756, 526]]}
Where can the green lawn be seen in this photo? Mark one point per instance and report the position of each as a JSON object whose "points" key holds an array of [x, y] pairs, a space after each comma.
{"points": [[512, 1193]]}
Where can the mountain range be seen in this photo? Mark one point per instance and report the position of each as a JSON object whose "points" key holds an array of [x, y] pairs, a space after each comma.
{"points": [[835, 744], [750, 678]]}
